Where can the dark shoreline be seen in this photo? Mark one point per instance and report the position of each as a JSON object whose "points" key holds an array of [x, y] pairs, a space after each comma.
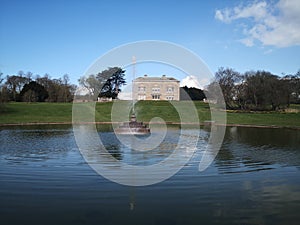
{"points": [[170, 123]]}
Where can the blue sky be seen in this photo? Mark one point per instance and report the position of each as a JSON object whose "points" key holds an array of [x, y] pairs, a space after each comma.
{"points": [[66, 37]]}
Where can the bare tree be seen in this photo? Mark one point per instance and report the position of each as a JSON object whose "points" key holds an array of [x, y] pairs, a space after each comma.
{"points": [[59, 90], [92, 85], [227, 79], [1, 93], [1, 78], [293, 84], [15, 84], [264, 90]]}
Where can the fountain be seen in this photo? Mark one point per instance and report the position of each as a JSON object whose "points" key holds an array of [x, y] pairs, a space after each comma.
{"points": [[133, 127]]}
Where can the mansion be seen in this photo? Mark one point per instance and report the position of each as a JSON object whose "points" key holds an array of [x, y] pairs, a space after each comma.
{"points": [[156, 88]]}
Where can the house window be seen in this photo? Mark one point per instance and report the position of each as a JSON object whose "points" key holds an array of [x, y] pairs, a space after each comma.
{"points": [[141, 89], [170, 98], [155, 96], [141, 97], [155, 90], [170, 89]]}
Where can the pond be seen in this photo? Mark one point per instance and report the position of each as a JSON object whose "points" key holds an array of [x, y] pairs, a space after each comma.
{"points": [[255, 179]]}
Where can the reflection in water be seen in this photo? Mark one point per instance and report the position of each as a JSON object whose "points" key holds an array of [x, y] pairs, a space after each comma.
{"points": [[30, 144], [265, 136], [114, 150], [253, 180], [251, 149], [124, 153]]}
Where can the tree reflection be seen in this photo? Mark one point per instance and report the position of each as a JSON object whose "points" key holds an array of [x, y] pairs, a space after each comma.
{"points": [[32, 145], [110, 141], [252, 149], [114, 150]]}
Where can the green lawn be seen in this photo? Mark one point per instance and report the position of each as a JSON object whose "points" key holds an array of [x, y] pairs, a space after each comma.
{"points": [[266, 118], [62, 112], [19, 112]]}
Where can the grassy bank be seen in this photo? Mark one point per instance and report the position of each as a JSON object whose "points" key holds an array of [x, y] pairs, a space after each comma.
{"points": [[18, 113]]}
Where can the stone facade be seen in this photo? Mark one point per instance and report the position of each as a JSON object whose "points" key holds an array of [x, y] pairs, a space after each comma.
{"points": [[156, 88]]}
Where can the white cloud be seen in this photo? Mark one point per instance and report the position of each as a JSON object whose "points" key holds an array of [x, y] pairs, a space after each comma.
{"points": [[268, 51], [192, 81], [271, 24], [223, 15], [247, 41], [257, 11]]}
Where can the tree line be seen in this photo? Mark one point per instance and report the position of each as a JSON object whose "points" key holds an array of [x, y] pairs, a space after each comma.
{"points": [[191, 93], [26, 88], [256, 90], [252, 90]]}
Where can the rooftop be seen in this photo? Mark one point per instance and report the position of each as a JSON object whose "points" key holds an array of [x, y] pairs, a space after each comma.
{"points": [[162, 78]]}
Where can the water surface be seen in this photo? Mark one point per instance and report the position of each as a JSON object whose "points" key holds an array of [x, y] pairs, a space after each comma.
{"points": [[255, 179]]}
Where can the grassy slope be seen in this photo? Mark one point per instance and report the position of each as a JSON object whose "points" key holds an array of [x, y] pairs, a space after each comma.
{"points": [[165, 110], [36, 112], [62, 112], [269, 119]]}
